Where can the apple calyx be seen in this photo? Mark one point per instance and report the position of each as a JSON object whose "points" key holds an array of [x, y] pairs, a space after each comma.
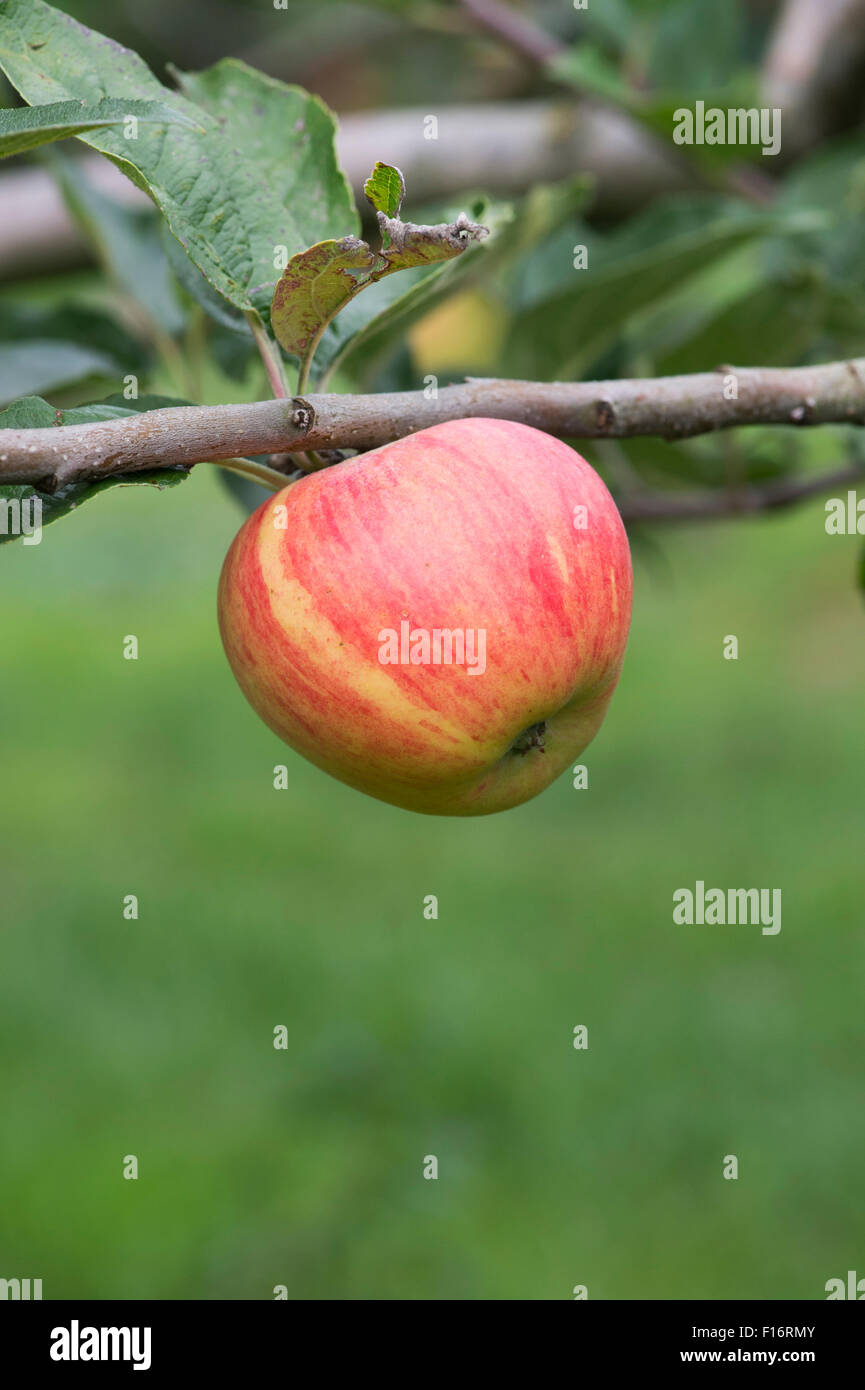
{"points": [[532, 737]]}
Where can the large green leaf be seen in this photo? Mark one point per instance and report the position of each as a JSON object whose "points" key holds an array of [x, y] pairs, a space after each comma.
{"points": [[35, 413], [696, 53], [199, 288], [283, 186], [45, 348], [700, 42], [23, 128], [562, 334], [47, 364], [260, 174], [127, 241], [765, 324]]}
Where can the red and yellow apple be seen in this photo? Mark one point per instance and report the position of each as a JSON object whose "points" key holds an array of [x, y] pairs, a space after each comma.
{"points": [[439, 623]]}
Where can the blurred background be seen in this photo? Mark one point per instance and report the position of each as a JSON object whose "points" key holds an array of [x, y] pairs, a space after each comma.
{"points": [[304, 907]]}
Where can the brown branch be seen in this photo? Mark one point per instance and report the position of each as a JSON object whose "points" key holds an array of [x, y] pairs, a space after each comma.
{"points": [[815, 70], [518, 33], [715, 505], [674, 407]]}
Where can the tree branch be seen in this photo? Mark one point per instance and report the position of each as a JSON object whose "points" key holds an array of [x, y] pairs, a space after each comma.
{"points": [[515, 30], [814, 70], [675, 407], [749, 501]]}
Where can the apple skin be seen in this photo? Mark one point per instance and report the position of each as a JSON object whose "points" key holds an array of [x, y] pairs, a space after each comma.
{"points": [[469, 524]]}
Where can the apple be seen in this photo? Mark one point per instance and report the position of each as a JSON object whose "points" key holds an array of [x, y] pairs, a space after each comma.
{"points": [[440, 622]]}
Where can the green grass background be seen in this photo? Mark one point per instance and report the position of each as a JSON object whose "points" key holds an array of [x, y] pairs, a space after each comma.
{"points": [[410, 1037]]}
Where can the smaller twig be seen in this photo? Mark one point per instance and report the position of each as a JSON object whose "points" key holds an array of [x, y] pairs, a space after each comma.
{"points": [[521, 35], [259, 472], [713, 506], [269, 356]]}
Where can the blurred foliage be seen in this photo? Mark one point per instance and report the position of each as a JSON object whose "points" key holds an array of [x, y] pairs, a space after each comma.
{"points": [[303, 908]]}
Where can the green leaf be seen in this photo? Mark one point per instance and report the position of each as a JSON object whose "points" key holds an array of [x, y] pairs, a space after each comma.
{"points": [[46, 348], [725, 85], [585, 67], [662, 114], [199, 289], [369, 327], [258, 174], [23, 128], [320, 281], [232, 354], [35, 413], [370, 324], [44, 364], [385, 189], [563, 333], [314, 287], [613, 24], [127, 241], [282, 184], [698, 41], [766, 323]]}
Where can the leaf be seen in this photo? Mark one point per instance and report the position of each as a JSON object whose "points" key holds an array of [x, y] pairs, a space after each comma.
{"points": [[385, 189], [320, 281], [46, 365], [258, 172], [283, 186], [233, 355], [562, 334], [314, 287], [585, 67], [46, 348], [766, 323], [23, 128], [612, 24], [17, 499], [199, 289], [368, 324], [409, 244], [662, 114], [699, 40], [722, 84], [367, 329], [127, 241]]}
